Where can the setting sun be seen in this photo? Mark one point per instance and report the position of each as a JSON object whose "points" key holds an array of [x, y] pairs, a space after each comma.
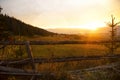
{"points": [[93, 26], [88, 26], [56, 14]]}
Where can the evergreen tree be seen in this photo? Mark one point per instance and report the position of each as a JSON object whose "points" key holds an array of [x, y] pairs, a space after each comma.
{"points": [[113, 44]]}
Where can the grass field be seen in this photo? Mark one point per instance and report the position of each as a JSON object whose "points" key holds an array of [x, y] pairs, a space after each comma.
{"points": [[69, 50], [63, 50], [59, 50]]}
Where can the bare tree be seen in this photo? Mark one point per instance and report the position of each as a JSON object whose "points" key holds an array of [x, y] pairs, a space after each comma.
{"points": [[113, 44]]}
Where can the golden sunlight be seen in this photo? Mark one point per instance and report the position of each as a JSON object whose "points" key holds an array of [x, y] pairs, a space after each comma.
{"points": [[93, 25], [90, 26]]}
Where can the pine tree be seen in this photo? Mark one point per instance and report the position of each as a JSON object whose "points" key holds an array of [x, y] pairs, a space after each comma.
{"points": [[113, 44]]}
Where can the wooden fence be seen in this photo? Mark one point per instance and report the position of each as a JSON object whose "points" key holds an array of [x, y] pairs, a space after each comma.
{"points": [[13, 71]]}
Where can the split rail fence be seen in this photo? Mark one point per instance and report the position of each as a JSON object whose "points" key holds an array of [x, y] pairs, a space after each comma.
{"points": [[4, 70]]}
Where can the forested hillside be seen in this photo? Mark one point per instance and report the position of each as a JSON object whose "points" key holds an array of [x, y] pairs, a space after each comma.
{"points": [[14, 26]]}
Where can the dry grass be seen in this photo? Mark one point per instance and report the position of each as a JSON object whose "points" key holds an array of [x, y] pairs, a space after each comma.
{"points": [[68, 50]]}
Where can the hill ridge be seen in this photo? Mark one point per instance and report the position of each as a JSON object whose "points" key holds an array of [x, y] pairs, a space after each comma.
{"points": [[17, 27]]}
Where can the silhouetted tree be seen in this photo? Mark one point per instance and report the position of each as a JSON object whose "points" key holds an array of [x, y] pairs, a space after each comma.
{"points": [[113, 44]]}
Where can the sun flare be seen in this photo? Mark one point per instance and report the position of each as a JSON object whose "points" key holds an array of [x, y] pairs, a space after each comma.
{"points": [[89, 26], [93, 25]]}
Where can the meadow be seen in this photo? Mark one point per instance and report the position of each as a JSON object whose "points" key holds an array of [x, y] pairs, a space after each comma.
{"points": [[68, 50], [60, 51], [73, 50]]}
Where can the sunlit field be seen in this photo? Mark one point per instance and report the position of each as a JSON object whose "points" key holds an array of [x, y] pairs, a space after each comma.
{"points": [[58, 50], [72, 50], [61, 69], [68, 50]]}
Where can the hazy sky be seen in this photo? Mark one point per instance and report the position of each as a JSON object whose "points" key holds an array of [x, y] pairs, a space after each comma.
{"points": [[62, 13]]}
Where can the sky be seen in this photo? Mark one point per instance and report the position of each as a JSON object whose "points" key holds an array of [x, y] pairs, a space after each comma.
{"points": [[62, 13]]}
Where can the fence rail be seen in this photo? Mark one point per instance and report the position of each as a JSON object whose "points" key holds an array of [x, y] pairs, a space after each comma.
{"points": [[52, 42], [31, 60], [53, 60]]}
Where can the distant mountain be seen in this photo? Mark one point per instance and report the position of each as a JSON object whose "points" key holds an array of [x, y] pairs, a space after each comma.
{"points": [[17, 27], [69, 30], [103, 30]]}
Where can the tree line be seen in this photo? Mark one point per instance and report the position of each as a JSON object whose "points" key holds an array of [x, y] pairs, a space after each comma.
{"points": [[10, 26]]}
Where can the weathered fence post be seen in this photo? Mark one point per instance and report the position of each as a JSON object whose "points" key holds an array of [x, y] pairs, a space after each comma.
{"points": [[30, 55]]}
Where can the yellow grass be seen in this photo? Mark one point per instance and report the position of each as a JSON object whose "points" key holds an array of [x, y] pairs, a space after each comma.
{"points": [[68, 50]]}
